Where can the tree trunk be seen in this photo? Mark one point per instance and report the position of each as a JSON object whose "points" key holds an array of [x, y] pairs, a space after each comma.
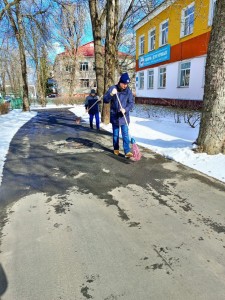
{"points": [[72, 76], [97, 24], [73, 56], [3, 83], [110, 45], [110, 52], [211, 137], [99, 62], [19, 36], [43, 75]]}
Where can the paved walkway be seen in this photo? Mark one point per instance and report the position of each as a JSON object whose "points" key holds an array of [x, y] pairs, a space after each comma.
{"points": [[78, 222]]}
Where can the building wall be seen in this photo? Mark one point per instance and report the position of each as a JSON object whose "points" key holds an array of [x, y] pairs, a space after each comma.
{"points": [[62, 75], [173, 13], [191, 48], [194, 92]]}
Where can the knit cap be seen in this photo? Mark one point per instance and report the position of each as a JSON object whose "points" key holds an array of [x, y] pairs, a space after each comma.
{"points": [[124, 78]]}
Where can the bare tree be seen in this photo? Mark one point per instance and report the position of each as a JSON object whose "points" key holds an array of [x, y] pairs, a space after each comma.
{"points": [[70, 32], [147, 6], [10, 71], [98, 15], [19, 16], [42, 75], [211, 137], [111, 22], [18, 29], [114, 27], [37, 45]]}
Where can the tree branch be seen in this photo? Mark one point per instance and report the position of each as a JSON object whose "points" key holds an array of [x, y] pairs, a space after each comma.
{"points": [[7, 7]]}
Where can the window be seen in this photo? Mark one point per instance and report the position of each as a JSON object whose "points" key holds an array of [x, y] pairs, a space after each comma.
{"points": [[162, 77], [94, 67], [141, 80], [187, 20], [164, 27], [150, 79], [211, 11], [184, 76], [84, 66], [84, 82], [151, 40], [141, 45], [69, 68]]}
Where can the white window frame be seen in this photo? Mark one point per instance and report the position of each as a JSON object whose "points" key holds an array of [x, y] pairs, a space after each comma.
{"points": [[141, 45], [187, 22], [211, 11], [83, 66], [150, 79], [84, 83], [162, 86], [163, 33], [68, 68], [151, 39], [141, 80], [183, 73]]}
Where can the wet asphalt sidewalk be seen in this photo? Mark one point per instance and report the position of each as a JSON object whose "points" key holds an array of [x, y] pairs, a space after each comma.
{"points": [[78, 222]]}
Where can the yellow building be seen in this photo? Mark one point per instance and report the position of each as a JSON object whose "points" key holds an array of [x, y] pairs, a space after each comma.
{"points": [[171, 48]]}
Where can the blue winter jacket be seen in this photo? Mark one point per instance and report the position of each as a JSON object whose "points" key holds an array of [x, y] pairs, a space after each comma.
{"points": [[90, 102], [127, 102]]}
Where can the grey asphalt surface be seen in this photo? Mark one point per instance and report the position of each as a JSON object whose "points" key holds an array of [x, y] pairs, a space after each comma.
{"points": [[78, 222]]}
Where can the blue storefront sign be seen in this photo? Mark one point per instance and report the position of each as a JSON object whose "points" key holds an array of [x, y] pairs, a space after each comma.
{"points": [[154, 57]]}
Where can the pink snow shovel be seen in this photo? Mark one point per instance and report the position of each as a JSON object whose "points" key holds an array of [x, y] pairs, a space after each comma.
{"points": [[135, 150]]}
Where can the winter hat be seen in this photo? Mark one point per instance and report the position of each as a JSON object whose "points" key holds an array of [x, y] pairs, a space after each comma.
{"points": [[125, 78], [93, 91]]}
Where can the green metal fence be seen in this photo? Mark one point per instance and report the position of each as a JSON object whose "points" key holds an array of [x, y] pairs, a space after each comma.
{"points": [[16, 103]]}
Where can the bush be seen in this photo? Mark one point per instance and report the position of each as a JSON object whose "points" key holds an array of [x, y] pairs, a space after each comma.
{"points": [[190, 116], [4, 108]]}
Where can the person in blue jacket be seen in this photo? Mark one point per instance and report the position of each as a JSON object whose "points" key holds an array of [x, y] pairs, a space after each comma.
{"points": [[118, 114], [92, 106]]}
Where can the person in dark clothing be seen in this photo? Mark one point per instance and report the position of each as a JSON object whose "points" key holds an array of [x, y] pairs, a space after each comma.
{"points": [[92, 106], [119, 116]]}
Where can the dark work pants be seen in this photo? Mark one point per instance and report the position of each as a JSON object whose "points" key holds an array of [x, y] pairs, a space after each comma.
{"points": [[91, 117]]}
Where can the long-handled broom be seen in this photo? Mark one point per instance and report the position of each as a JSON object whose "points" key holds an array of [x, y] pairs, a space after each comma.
{"points": [[78, 119], [135, 150]]}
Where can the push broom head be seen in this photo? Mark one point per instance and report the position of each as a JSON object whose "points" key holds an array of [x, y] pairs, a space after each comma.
{"points": [[136, 152], [78, 120]]}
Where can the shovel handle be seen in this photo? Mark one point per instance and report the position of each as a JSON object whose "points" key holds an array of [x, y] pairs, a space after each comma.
{"points": [[94, 103]]}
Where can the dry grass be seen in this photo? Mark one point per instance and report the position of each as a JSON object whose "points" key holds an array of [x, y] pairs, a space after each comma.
{"points": [[66, 100]]}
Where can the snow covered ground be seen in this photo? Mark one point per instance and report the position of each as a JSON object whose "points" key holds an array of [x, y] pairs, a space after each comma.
{"points": [[155, 130]]}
